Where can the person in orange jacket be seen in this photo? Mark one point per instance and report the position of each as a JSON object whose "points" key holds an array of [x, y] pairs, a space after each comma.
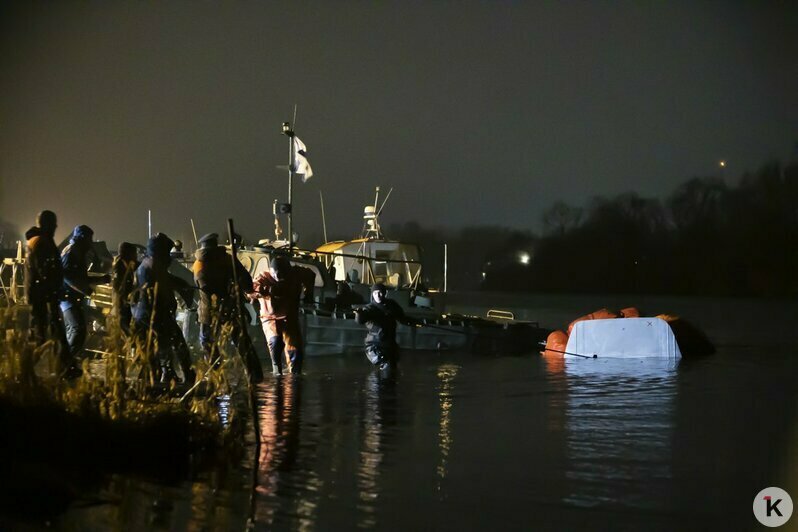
{"points": [[44, 284], [280, 291], [219, 302]]}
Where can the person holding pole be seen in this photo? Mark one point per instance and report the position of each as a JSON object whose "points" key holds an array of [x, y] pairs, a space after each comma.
{"points": [[221, 285]]}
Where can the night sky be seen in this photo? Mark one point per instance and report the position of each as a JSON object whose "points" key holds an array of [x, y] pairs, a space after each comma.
{"points": [[475, 112]]}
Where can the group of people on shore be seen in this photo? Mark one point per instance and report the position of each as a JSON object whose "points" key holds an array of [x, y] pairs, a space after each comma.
{"points": [[144, 303]]}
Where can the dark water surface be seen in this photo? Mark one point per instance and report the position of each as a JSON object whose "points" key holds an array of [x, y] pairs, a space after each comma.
{"points": [[467, 442]]}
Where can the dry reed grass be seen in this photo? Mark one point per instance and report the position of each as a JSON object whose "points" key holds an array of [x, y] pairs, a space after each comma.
{"points": [[118, 387]]}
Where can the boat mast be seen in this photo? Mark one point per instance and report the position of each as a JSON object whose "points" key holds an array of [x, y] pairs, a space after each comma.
{"points": [[278, 231], [290, 134]]}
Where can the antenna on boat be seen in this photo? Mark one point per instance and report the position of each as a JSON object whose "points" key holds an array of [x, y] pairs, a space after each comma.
{"points": [[371, 217], [149, 223], [287, 131], [194, 230], [323, 219], [379, 211]]}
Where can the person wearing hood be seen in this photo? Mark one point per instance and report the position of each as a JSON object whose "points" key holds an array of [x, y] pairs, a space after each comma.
{"points": [[123, 274], [380, 318], [44, 279], [221, 302], [280, 291], [77, 287], [156, 308]]}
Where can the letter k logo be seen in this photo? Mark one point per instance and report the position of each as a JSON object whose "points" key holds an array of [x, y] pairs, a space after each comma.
{"points": [[777, 507], [772, 506]]}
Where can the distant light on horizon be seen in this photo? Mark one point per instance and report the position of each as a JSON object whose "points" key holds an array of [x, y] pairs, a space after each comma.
{"points": [[722, 164], [523, 257]]}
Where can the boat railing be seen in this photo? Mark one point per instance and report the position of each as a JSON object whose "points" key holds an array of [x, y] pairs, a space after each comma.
{"points": [[11, 282], [500, 314]]}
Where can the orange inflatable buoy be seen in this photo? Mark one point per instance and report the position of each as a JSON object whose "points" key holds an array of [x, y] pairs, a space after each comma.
{"points": [[553, 355], [555, 344], [601, 314]]}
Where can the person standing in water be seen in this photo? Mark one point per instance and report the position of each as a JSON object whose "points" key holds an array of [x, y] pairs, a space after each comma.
{"points": [[280, 292], [380, 318]]}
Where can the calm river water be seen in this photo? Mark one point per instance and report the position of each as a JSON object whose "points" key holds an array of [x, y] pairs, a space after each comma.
{"points": [[468, 442]]}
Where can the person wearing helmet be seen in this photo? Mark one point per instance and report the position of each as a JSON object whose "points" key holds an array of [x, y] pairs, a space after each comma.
{"points": [[280, 291]]}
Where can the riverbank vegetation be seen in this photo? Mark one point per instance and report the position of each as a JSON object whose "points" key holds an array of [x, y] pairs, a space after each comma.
{"points": [[62, 436]]}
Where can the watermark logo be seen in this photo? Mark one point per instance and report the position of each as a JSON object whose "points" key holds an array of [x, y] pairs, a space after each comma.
{"points": [[772, 507]]}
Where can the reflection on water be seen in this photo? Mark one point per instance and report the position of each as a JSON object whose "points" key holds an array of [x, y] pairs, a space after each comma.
{"points": [[279, 425], [371, 451], [619, 420], [458, 441], [446, 374]]}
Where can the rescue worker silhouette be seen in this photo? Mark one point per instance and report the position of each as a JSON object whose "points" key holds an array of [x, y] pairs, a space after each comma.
{"points": [[380, 318], [44, 280], [123, 282], [154, 324], [280, 291], [77, 287], [345, 297], [221, 303]]}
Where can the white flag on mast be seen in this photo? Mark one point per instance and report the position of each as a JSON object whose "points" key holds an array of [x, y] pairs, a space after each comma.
{"points": [[301, 164]]}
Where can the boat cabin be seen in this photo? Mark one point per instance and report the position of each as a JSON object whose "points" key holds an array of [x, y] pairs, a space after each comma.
{"points": [[369, 261]]}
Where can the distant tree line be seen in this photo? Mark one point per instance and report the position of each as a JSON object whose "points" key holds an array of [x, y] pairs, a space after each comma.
{"points": [[705, 238]]}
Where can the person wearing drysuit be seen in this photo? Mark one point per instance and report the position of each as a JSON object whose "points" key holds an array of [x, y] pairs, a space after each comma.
{"points": [[280, 292], [155, 309], [44, 280], [221, 302], [380, 318]]}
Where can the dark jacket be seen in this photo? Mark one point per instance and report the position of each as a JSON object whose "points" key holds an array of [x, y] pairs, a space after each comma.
{"points": [[380, 320], [213, 273], [156, 287], [44, 277], [154, 272], [77, 284], [123, 281]]}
